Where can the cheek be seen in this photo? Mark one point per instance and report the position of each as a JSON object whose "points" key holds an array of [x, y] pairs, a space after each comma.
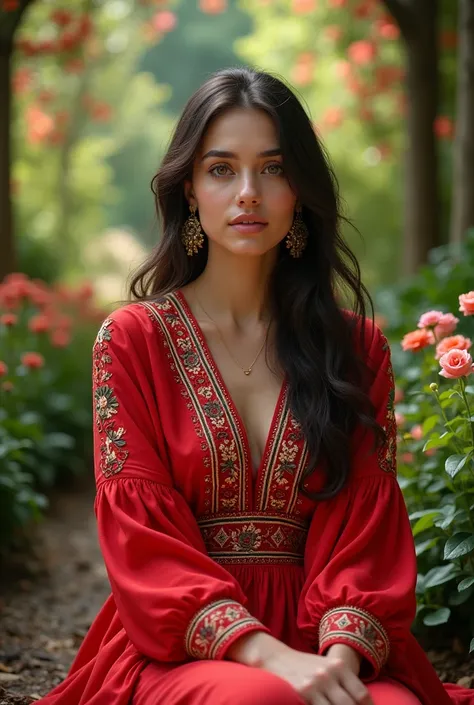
{"points": [[207, 189], [281, 204], [213, 204], [280, 196]]}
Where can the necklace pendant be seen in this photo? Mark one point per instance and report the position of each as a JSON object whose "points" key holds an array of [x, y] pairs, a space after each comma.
{"points": [[247, 372]]}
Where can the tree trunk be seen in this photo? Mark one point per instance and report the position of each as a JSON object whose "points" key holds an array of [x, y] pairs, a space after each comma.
{"points": [[9, 22], [417, 20], [421, 179], [462, 212], [7, 257]]}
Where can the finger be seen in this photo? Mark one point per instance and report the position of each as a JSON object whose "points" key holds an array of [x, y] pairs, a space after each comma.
{"points": [[339, 695], [356, 689], [320, 699]]}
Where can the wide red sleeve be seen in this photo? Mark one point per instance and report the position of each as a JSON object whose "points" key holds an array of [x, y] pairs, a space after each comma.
{"points": [[173, 600], [360, 558]]}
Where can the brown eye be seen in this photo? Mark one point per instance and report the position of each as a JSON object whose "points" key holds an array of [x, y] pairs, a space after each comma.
{"points": [[277, 167], [214, 171]]}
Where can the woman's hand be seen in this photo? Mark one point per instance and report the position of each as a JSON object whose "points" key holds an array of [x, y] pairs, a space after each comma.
{"points": [[350, 656], [320, 680]]}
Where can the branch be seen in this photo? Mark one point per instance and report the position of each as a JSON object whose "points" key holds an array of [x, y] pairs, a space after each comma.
{"points": [[401, 12], [9, 22]]}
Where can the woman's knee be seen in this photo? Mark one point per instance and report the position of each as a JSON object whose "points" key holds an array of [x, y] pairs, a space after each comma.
{"points": [[263, 688], [216, 682], [389, 692]]}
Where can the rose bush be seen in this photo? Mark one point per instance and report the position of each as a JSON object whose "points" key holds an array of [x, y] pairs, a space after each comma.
{"points": [[46, 333], [435, 417], [435, 462]]}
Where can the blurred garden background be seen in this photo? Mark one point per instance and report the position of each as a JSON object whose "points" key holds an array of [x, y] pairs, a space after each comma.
{"points": [[89, 93]]}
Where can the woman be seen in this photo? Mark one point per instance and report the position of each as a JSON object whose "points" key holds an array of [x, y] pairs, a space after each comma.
{"points": [[255, 536]]}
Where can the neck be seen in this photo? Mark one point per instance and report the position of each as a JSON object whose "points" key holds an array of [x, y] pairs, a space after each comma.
{"points": [[233, 289]]}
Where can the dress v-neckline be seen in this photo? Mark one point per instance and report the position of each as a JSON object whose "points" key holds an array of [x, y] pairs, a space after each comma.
{"points": [[254, 472]]}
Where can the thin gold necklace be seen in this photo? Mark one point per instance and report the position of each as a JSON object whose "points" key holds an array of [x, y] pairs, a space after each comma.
{"points": [[246, 370]]}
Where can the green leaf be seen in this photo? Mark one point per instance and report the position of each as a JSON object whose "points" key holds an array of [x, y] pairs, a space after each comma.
{"points": [[459, 598], [406, 482], [441, 616], [471, 647], [460, 544], [61, 402], [29, 418], [59, 440], [436, 486], [424, 512], [439, 575], [426, 545], [455, 464], [465, 583], [426, 522], [445, 395], [429, 424], [437, 441], [448, 518], [8, 482]]}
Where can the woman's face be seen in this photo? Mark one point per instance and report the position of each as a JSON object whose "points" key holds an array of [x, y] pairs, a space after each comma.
{"points": [[239, 172]]}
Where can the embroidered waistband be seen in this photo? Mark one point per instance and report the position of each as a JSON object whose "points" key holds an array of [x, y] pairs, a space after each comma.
{"points": [[254, 538]]}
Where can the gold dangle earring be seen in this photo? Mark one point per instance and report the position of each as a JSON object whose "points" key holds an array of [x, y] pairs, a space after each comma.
{"points": [[192, 236], [297, 237]]}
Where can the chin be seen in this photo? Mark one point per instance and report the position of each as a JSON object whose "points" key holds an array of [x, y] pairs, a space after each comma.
{"points": [[250, 248]]}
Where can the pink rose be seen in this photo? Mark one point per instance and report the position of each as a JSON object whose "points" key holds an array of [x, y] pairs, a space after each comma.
{"points": [[456, 363], [417, 340], [417, 432], [447, 325], [453, 342], [430, 319], [399, 418], [466, 303]]}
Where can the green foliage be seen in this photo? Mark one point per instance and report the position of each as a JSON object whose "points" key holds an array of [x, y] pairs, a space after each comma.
{"points": [[365, 136], [370, 177], [65, 188], [436, 439], [38, 260], [437, 285], [45, 398], [200, 44]]}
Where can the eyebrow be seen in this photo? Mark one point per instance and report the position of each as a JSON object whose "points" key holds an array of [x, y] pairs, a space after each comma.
{"points": [[231, 155]]}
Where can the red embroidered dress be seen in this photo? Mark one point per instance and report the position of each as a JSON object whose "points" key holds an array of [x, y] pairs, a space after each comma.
{"points": [[199, 552]]}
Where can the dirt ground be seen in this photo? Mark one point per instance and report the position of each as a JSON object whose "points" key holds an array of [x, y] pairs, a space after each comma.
{"points": [[49, 599]]}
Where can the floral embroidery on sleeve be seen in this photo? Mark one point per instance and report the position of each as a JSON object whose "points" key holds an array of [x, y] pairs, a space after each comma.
{"points": [[112, 447], [356, 628], [215, 626]]}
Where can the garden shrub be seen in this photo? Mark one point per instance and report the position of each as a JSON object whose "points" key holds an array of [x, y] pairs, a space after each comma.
{"points": [[435, 418], [46, 335]]}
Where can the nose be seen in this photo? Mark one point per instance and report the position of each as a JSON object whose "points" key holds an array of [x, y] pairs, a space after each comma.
{"points": [[248, 193]]}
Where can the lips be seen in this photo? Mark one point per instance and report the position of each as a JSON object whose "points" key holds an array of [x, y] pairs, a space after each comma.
{"points": [[248, 219], [249, 228]]}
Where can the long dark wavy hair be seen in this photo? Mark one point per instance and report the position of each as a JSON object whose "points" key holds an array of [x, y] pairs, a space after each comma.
{"points": [[314, 335]]}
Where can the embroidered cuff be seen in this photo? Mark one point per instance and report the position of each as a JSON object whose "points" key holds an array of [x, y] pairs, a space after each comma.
{"points": [[214, 628], [358, 629]]}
